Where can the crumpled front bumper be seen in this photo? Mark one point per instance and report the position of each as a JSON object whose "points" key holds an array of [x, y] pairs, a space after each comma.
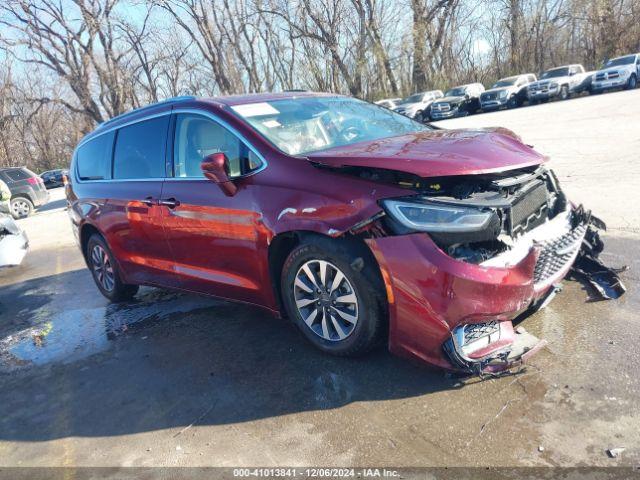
{"points": [[433, 297]]}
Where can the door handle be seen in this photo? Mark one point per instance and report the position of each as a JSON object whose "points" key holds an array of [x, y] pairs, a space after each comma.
{"points": [[149, 201], [169, 202]]}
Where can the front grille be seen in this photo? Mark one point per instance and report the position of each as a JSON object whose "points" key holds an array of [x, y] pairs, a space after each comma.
{"points": [[556, 253], [475, 331], [606, 76], [441, 107], [530, 208]]}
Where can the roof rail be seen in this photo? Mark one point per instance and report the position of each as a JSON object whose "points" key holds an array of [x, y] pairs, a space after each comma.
{"points": [[168, 101]]}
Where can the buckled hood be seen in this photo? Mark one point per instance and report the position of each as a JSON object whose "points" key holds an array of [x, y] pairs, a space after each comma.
{"points": [[436, 153]]}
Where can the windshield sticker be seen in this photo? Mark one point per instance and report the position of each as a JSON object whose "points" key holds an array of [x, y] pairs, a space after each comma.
{"points": [[255, 109], [271, 124]]}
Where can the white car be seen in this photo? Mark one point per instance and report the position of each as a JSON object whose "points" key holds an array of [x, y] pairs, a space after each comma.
{"points": [[558, 82], [389, 103], [617, 72], [415, 105]]}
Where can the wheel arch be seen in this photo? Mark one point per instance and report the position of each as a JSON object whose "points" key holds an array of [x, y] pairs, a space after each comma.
{"points": [[86, 231], [285, 242]]}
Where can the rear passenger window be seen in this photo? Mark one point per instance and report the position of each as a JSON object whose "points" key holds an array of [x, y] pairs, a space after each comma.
{"points": [[94, 158], [17, 175], [140, 150]]}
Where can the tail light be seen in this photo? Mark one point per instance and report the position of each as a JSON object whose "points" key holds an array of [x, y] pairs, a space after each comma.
{"points": [[65, 179], [33, 180]]}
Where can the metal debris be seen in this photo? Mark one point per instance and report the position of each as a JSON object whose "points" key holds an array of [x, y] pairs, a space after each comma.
{"points": [[589, 268], [615, 452]]}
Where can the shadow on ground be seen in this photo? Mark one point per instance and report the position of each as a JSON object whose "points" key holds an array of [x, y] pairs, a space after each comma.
{"points": [[73, 365], [53, 205]]}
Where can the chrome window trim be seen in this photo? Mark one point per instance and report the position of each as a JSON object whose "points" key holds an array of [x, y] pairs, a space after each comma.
{"points": [[195, 111]]}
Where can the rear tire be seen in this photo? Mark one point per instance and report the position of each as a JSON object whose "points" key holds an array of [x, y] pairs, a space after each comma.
{"points": [[21, 207], [104, 270], [345, 319]]}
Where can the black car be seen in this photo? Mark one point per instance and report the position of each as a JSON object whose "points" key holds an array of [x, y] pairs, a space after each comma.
{"points": [[27, 190], [457, 102], [54, 178]]}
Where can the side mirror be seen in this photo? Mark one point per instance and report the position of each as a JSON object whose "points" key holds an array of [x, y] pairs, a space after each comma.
{"points": [[214, 168]]}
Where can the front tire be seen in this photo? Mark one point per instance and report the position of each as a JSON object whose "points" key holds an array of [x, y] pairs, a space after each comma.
{"points": [[513, 102], [105, 271], [564, 92], [333, 292], [632, 82]]}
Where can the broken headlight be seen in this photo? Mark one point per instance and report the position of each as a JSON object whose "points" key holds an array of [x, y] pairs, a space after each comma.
{"points": [[435, 217]]}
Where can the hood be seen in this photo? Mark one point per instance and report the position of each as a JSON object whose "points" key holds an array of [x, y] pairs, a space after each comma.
{"points": [[621, 68], [450, 100], [549, 80], [497, 90], [409, 106], [436, 153]]}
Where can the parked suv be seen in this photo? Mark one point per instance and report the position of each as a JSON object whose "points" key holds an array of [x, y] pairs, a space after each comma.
{"points": [[617, 72], [558, 82], [27, 190], [417, 105], [359, 224], [458, 102], [507, 92]]}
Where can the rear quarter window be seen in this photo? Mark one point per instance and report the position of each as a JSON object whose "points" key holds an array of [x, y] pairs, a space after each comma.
{"points": [[94, 158], [140, 149]]}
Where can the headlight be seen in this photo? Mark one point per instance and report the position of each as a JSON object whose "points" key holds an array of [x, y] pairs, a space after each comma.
{"points": [[432, 217], [503, 94], [553, 85]]}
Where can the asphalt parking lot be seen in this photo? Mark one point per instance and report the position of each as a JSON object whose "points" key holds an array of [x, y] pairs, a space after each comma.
{"points": [[174, 379]]}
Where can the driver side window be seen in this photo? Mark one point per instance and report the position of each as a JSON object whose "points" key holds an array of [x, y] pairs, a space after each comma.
{"points": [[197, 137]]}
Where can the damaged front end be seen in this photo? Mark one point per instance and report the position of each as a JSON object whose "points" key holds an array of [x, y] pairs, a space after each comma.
{"points": [[497, 246], [13, 242]]}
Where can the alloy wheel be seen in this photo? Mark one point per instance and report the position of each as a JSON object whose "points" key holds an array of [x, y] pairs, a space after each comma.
{"points": [[326, 300], [20, 208], [102, 268]]}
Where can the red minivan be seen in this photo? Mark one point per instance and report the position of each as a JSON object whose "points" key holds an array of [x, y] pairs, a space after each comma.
{"points": [[359, 224]]}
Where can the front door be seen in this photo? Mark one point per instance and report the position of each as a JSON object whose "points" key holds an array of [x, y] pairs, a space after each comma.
{"points": [[217, 241], [133, 218]]}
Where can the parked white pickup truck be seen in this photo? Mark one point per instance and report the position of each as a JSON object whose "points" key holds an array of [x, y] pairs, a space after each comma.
{"points": [[617, 72], [558, 82]]}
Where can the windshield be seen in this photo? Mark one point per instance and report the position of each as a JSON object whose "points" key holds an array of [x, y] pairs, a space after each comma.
{"points": [[616, 62], [558, 72], [456, 92], [505, 82], [305, 125]]}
